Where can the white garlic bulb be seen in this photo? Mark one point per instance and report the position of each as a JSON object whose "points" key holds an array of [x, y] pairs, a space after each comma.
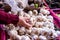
{"points": [[30, 13], [54, 35], [11, 26], [44, 18], [46, 23], [22, 31], [58, 33], [39, 18], [12, 32], [29, 30], [39, 24], [51, 26], [39, 30], [45, 12], [42, 37], [40, 14], [50, 17], [32, 5], [33, 20], [34, 37], [35, 12], [34, 30], [25, 37]]}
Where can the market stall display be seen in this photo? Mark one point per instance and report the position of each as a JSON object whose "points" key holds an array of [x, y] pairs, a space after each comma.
{"points": [[42, 29]]}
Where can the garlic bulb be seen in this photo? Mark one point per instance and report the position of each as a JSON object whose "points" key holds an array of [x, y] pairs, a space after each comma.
{"points": [[44, 18], [35, 12], [26, 15], [39, 24], [40, 14], [45, 12], [25, 38], [55, 35], [39, 18], [12, 33], [42, 37], [22, 31], [34, 30], [33, 20], [35, 37], [50, 18], [58, 33], [30, 13], [29, 30], [32, 5]]}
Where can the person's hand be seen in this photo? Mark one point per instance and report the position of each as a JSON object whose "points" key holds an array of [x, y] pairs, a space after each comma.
{"points": [[23, 21]]}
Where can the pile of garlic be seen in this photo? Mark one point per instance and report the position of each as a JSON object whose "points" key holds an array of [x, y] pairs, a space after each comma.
{"points": [[42, 29]]}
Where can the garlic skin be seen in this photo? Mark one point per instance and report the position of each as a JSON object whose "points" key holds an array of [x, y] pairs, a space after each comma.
{"points": [[12, 32], [30, 13], [40, 14], [58, 33], [39, 18], [33, 20], [50, 18], [39, 24], [44, 18], [25, 38], [34, 30], [34, 37], [45, 12], [32, 5], [28, 31], [42, 37], [54, 35], [22, 31], [35, 12]]}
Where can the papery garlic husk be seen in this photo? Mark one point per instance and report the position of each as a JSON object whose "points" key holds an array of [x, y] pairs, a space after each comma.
{"points": [[32, 5], [30, 13], [35, 12], [42, 37], [45, 12], [25, 37], [22, 31], [39, 24], [34, 37]]}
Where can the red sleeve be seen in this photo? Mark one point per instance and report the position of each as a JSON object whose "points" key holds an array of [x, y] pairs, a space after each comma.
{"points": [[6, 18]]}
